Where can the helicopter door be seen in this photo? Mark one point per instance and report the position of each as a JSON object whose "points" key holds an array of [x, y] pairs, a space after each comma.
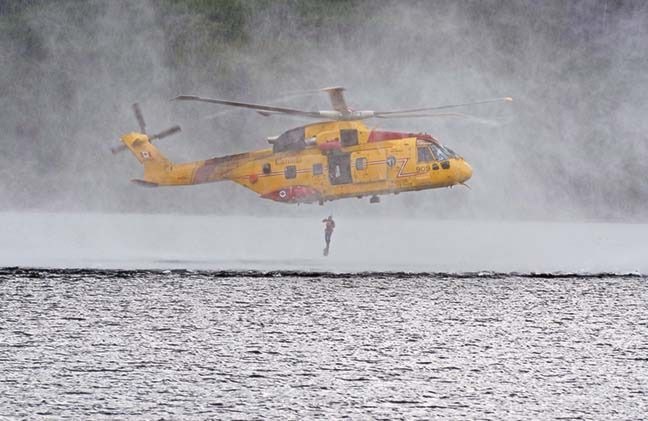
{"points": [[339, 168], [369, 166]]}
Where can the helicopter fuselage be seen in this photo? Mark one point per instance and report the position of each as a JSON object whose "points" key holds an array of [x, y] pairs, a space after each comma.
{"points": [[316, 163]]}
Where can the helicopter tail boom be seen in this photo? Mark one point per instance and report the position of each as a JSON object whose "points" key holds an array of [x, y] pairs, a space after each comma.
{"points": [[156, 165], [160, 171]]}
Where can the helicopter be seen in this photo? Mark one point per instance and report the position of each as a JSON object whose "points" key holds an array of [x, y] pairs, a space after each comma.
{"points": [[334, 158]]}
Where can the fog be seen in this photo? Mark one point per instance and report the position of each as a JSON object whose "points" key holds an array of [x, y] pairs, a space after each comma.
{"points": [[572, 146], [359, 244]]}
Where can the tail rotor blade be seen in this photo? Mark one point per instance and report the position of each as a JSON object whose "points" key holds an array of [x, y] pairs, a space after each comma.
{"points": [[117, 149], [142, 125], [165, 133], [168, 132], [139, 117]]}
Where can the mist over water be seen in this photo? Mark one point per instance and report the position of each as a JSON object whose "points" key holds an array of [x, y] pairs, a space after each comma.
{"points": [[571, 146], [359, 244]]}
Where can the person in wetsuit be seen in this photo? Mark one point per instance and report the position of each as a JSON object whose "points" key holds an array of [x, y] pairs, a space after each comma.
{"points": [[328, 231]]}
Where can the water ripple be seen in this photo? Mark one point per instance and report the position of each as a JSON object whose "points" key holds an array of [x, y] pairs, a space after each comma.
{"points": [[193, 345]]}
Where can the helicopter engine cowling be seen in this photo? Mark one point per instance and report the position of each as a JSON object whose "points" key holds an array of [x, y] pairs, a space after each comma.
{"points": [[359, 115]]}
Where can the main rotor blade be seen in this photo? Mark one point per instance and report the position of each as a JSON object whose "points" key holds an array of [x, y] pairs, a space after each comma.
{"points": [[165, 133], [258, 107], [289, 96], [442, 107], [336, 96], [408, 115], [139, 117], [472, 118]]}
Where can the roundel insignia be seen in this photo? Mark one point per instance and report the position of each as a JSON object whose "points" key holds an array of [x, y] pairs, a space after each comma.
{"points": [[282, 194], [145, 155]]}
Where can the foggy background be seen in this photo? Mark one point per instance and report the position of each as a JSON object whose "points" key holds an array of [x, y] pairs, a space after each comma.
{"points": [[572, 145]]}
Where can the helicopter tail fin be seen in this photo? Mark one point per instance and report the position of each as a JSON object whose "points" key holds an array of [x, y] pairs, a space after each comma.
{"points": [[156, 165]]}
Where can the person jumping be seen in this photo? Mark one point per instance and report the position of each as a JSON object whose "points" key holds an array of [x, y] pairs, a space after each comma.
{"points": [[328, 231]]}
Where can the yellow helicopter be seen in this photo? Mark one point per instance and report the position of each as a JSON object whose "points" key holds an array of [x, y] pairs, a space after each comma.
{"points": [[336, 158]]}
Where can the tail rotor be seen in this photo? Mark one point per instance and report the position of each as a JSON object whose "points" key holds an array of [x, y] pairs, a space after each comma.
{"points": [[142, 125], [140, 117]]}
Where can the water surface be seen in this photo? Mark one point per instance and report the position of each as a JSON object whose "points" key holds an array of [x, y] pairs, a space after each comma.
{"points": [[81, 344]]}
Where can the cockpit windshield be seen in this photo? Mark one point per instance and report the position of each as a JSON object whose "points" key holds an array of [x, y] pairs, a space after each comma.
{"points": [[450, 152], [434, 152], [439, 152]]}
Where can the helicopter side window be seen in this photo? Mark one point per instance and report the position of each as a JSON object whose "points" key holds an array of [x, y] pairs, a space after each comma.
{"points": [[267, 169], [348, 137], [290, 171], [425, 154], [361, 164], [317, 169]]}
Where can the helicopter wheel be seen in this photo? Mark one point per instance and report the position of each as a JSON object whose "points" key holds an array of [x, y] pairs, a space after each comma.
{"points": [[374, 199]]}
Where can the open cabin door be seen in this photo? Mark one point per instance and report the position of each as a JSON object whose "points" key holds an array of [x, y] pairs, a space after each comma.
{"points": [[369, 166], [339, 164]]}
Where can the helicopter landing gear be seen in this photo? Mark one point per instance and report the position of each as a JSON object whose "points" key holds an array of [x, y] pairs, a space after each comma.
{"points": [[374, 199]]}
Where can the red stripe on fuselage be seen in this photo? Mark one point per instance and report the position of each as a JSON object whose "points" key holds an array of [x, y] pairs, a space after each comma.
{"points": [[380, 136]]}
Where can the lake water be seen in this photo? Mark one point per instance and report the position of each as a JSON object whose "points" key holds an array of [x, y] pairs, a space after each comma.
{"points": [[88, 344]]}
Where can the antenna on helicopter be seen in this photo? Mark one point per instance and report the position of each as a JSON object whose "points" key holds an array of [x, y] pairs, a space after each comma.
{"points": [[142, 125]]}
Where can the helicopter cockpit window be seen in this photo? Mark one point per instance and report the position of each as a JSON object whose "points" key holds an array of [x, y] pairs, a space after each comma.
{"points": [[348, 137], [290, 171], [425, 154], [439, 153], [267, 169], [450, 152]]}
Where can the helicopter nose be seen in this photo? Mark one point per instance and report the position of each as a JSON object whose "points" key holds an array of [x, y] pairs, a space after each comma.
{"points": [[464, 172]]}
